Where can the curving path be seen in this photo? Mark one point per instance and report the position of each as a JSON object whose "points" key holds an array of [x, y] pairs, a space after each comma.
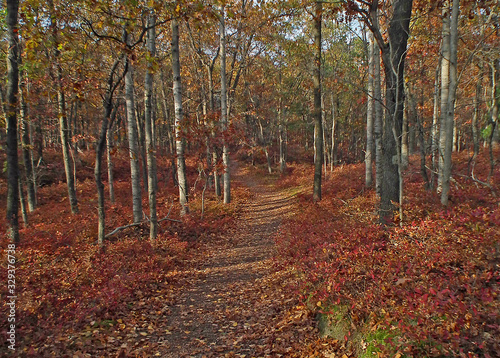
{"points": [[226, 307]]}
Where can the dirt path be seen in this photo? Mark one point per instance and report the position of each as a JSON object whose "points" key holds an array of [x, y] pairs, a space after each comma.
{"points": [[232, 305]]}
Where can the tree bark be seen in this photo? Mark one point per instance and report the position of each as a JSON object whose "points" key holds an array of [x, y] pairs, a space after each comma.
{"points": [[11, 116], [107, 122], [224, 110], [26, 145], [135, 170], [448, 123], [369, 114], [179, 135], [109, 159], [435, 129], [393, 58], [148, 119], [377, 121], [62, 114], [318, 123]]}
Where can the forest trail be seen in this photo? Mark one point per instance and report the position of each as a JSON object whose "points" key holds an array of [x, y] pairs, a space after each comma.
{"points": [[232, 304]]}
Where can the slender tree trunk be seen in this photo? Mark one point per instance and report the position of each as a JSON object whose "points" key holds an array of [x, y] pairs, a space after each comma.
{"points": [[435, 120], [179, 135], [445, 88], [334, 137], [134, 151], [109, 158], [11, 117], [447, 143], [141, 138], [101, 212], [475, 121], [281, 133], [62, 114], [377, 121], [224, 110], [495, 112], [22, 201], [421, 141], [318, 123], [405, 150], [26, 145], [148, 119], [107, 122], [370, 114], [65, 142]]}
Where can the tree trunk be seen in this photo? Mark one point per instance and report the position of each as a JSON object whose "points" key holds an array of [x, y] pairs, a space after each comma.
{"points": [[148, 119], [495, 112], [369, 114], [334, 137], [447, 123], [22, 201], [141, 138], [26, 145], [475, 119], [62, 114], [11, 117], [109, 159], [393, 57], [434, 129], [377, 121], [64, 133], [445, 89], [107, 122], [318, 123], [133, 146], [179, 135], [405, 136], [224, 110]]}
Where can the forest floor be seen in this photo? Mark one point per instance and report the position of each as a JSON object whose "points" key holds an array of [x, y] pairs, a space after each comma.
{"points": [[231, 303], [224, 295], [265, 276]]}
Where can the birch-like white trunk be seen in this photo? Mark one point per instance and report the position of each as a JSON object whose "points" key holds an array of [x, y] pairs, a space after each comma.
{"points": [[450, 106], [224, 109], [369, 114], [179, 135], [445, 89], [133, 145], [148, 123]]}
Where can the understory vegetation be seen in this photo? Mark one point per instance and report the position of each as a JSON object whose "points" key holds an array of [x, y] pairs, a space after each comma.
{"points": [[426, 287]]}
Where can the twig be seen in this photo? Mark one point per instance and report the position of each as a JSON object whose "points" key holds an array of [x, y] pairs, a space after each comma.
{"points": [[475, 180]]}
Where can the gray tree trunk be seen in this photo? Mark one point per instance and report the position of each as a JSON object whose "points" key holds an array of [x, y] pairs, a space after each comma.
{"points": [[447, 143], [109, 158], [476, 115], [133, 146], [148, 119], [435, 120], [369, 114], [393, 57], [64, 131], [318, 123], [334, 137], [11, 117], [405, 135], [224, 109], [445, 89], [26, 145], [179, 135]]}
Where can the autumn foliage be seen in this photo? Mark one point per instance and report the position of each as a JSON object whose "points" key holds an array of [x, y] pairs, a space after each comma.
{"points": [[67, 288], [428, 287]]}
